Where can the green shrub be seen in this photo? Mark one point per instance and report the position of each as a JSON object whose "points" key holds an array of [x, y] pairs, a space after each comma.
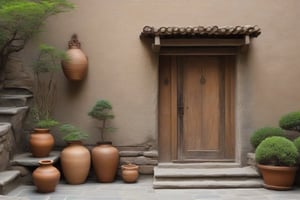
{"points": [[47, 123], [297, 143], [259, 135], [277, 151], [72, 133], [290, 121]]}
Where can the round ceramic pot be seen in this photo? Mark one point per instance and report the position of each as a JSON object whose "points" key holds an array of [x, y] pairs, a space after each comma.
{"points": [[130, 173], [45, 177], [75, 67], [75, 162], [278, 177], [105, 159], [41, 142]]}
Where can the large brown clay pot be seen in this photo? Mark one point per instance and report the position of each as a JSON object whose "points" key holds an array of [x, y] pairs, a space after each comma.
{"points": [[45, 177], [75, 162], [76, 64], [130, 173], [278, 177], [105, 159], [41, 142]]}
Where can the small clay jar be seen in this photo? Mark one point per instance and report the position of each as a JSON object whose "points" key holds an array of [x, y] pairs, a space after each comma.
{"points": [[130, 173], [45, 177], [41, 142]]}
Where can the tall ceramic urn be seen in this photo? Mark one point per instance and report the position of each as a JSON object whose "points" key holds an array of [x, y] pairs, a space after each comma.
{"points": [[75, 161], [105, 159], [76, 64], [46, 176]]}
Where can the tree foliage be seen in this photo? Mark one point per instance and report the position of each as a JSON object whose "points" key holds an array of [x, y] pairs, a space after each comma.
{"points": [[102, 111], [22, 19]]}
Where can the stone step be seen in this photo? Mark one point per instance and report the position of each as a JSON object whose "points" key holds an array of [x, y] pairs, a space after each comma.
{"points": [[12, 110], [198, 165], [14, 100], [236, 177], [9, 180], [26, 159], [205, 173], [4, 128], [192, 184]]}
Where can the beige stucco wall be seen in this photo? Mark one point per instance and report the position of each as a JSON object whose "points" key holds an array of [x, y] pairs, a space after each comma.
{"points": [[123, 69]]}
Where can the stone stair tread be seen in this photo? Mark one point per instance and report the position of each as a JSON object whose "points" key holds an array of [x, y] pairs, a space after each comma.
{"points": [[199, 165], [26, 159], [12, 110], [4, 127], [15, 96], [207, 184], [8, 176], [209, 172]]}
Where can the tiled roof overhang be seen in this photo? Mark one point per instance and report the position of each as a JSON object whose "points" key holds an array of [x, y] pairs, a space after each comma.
{"points": [[201, 32]]}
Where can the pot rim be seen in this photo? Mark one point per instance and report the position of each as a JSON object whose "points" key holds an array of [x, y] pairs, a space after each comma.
{"points": [[130, 166], [46, 162]]}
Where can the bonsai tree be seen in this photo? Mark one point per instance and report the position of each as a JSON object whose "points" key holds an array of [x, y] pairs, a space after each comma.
{"points": [[22, 19], [72, 133], [44, 69], [259, 135], [290, 121], [297, 143], [102, 111], [276, 151]]}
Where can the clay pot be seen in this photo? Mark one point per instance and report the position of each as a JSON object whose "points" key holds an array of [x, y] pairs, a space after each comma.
{"points": [[278, 177], [105, 159], [130, 173], [76, 64], [75, 162], [46, 177], [41, 142]]}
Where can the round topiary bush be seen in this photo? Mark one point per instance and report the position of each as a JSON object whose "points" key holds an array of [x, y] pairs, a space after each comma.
{"points": [[259, 135], [297, 143], [290, 121], [277, 151]]}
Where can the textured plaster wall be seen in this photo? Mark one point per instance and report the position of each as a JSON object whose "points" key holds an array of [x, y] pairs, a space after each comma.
{"points": [[123, 69]]}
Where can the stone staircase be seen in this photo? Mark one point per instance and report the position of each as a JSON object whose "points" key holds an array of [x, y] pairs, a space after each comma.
{"points": [[205, 175], [13, 110]]}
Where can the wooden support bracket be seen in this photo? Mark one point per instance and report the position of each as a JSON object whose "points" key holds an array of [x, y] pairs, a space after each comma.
{"points": [[156, 44]]}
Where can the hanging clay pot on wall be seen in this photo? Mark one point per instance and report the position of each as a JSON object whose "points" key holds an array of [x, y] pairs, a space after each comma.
{"points": [[41, 142], [46, 177], [105, 159], [130, 173], [75, 161], [76, 65]]}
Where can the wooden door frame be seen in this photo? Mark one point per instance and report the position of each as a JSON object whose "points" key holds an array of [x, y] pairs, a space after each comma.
{"points": [[167, 113]]}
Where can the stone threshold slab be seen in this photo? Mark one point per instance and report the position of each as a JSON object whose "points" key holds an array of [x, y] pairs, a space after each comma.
{"points": [[26, 159]]}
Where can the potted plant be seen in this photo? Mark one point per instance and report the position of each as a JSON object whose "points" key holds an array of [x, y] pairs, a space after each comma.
{"points": [[75, 158], [291, 123], [259, 135], [129, 172], [105, 157], [276, 157], [297, 144], [44, 92]]}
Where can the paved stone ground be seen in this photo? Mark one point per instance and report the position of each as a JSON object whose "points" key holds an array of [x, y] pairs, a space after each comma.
{"points": [[143, 190]]}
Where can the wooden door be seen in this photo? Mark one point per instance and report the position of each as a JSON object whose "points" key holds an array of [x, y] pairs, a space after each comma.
{"points": [[201, 108], [196, 108]]}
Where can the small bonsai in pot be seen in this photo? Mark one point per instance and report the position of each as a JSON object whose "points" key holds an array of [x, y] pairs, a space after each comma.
{"points": [[102, 111], [276, 157], [105, 157], [291, 123], [75, 158], [259, 135]]}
